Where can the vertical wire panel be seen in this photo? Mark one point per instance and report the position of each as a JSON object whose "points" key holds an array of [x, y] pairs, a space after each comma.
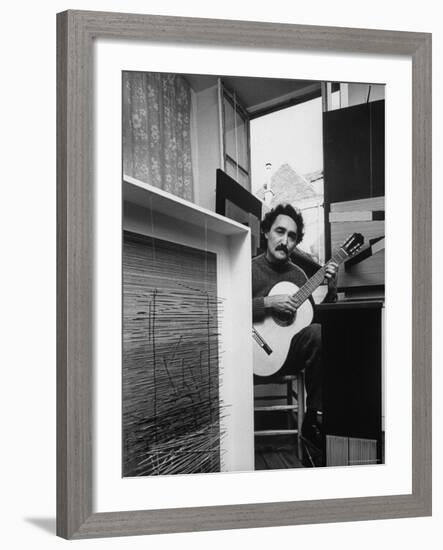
{"points": [[171, 318]]}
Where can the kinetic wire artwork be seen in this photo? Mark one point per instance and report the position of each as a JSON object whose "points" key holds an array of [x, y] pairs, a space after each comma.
{"points": [[171, 318]]}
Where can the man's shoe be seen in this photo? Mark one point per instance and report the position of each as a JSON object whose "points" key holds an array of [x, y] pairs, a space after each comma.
{"points": [[311, 431]]}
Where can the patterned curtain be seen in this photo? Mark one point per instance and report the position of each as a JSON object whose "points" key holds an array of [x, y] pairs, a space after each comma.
{"points": [[157, 131]]}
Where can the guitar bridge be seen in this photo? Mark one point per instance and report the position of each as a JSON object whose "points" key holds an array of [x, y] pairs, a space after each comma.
{"points": [[265, 347]]}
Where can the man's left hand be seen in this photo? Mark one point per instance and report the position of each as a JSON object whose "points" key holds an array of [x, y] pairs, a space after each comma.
{"points": [[331, 278], [331, 274]]}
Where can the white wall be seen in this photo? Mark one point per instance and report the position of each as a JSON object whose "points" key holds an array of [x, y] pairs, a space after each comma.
{"points": [[207, 153], [358, 93], [28, 275]]}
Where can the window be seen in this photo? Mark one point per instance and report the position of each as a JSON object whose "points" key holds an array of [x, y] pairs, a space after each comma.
{"points": [[235, 139]]}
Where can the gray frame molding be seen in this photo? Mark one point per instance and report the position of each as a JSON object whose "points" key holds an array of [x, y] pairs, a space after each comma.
{"points": [[76, 31]]}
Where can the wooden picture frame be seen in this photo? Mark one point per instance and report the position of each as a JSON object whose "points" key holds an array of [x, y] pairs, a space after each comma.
{"points": [[76, 32]]}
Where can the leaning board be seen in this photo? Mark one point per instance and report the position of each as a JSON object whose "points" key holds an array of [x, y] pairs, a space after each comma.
{"points": [[371, 271]]}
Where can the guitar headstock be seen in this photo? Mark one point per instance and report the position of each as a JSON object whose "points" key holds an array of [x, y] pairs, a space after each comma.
{"points": [[353, 243]]}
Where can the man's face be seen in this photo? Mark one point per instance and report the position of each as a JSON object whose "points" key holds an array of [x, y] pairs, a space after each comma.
{"points": [[281, 238]]}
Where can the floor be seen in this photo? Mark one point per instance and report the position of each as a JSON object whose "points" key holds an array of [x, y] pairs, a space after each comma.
{"points": [[280, 452], [276, 452]]}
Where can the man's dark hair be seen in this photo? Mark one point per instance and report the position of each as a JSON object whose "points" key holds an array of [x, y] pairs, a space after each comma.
{"points": [[287, 210]]}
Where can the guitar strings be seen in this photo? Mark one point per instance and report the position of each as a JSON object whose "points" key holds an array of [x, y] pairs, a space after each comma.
{"points": [[308, 288]]}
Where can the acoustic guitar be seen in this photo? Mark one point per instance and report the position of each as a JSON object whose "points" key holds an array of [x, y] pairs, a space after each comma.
{"points": [[273, 335]]}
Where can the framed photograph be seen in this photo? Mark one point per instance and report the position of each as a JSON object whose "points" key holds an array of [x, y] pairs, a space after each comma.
{"points": [[235, 214]]}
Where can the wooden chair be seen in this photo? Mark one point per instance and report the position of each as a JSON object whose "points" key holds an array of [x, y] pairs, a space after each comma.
{"points": [[294, 405]]}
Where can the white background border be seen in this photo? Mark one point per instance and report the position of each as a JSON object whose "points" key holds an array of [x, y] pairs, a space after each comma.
{"points": [[112, 492], [27, 406]]}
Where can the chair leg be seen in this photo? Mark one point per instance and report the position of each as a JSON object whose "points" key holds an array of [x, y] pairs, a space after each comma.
{"points": [[301, 410], [290, 400]]}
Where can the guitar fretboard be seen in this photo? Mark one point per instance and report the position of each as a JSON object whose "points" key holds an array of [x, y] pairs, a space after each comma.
{"points": [[316, 280]]}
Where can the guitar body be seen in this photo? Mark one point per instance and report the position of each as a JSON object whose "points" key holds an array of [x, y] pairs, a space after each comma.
{"points": [[277, 333]]}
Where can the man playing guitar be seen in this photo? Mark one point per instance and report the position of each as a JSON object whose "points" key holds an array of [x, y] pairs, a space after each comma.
{"points": [[283, 229]]}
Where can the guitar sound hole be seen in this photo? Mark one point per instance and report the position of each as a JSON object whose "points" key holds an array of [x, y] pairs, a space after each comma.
{"points": [[284, 319]]}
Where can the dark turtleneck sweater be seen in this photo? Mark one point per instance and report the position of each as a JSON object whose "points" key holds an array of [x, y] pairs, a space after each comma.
{"points": [[265, 275]]}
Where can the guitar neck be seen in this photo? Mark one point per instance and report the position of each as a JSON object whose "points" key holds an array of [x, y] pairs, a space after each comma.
{"points": [[316, 280]]}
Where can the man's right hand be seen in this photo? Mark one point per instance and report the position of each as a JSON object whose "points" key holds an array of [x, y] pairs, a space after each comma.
{"points": [[281, 303]]}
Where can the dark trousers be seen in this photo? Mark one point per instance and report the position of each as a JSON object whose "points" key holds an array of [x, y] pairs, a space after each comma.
{"points": [[305, 354]]}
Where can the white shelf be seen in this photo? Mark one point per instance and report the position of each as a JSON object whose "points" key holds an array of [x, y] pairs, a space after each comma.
{"points": [[157, 200]]}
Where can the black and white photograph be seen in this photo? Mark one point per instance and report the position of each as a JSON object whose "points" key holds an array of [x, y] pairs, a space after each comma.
{"points": [[219, 278], [253, 273]]}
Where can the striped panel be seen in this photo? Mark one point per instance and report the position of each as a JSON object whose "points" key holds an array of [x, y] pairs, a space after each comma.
{"points": [[171, 421], [362, 451], [350, 451], [336, 450]]}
